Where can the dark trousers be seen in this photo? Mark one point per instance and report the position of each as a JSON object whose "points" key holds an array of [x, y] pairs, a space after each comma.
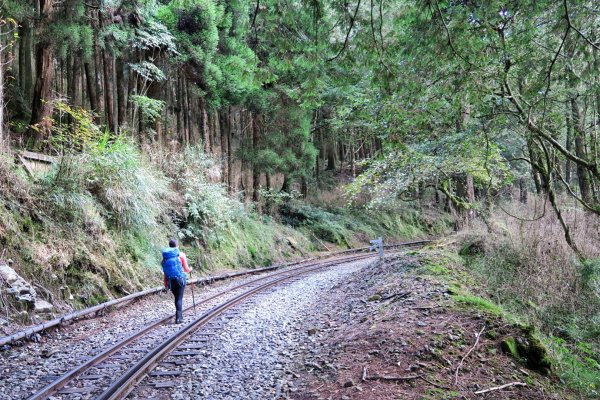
{"points": [[177, 286]]}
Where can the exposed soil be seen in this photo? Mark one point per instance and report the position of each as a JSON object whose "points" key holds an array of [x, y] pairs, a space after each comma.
{"points": [[390, 332]]}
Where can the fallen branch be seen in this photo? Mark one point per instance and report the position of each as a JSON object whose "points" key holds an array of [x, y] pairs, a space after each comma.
{"points": [[391, 378], [399, 295], [516, 384], [478, 336], [364, 374]]}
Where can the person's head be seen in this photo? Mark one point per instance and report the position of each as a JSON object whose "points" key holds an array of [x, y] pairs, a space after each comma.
{"points": [[173, 243]]}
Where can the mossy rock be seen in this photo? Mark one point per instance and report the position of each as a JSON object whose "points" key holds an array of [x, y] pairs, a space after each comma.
{"points": [[535, 353], [472, 248], [509, 346], [528, 349]]}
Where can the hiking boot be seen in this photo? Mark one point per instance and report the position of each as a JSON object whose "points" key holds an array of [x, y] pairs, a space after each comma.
{"points": [[179, 321]]}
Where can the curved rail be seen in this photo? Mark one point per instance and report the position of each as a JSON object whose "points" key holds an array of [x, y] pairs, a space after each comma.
{"points": [[57, 384], [24, 334], [123, 386]]}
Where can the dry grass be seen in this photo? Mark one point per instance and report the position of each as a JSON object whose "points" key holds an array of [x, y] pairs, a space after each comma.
{"points": [[526, 262]]}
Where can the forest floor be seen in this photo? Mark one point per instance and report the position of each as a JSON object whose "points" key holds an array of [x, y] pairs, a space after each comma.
{"points": [[396, 331]]}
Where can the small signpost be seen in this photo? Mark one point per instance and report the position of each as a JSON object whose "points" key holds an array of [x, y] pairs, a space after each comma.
{"points": [[377, 244]]}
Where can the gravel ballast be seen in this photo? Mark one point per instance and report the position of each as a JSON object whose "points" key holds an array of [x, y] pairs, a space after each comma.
{"points": [[253, 350]]}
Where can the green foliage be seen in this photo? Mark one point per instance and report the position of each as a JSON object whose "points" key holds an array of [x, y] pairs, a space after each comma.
{"points": [[150, 109], [479, 304], [110, 180], [208, 212], [286, 146], [155, 36], [148, 71], [81, 133], [575, 366]]}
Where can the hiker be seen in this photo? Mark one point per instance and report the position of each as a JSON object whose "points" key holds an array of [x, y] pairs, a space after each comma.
{"points": [[175, 266]]}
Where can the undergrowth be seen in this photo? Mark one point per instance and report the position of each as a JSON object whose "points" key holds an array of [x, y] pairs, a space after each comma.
{"points": [[526, 268]]}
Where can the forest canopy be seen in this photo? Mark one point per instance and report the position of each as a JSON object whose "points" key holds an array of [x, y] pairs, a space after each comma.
{"points": [[458, 99]]}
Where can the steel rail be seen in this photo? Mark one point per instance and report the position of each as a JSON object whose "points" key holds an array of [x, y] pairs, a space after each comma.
{"points": [[57, 384], [124, 385], [24, 334]]}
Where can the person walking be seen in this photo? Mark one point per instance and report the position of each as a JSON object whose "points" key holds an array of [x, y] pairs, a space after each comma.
{"points": [[175, 265]]}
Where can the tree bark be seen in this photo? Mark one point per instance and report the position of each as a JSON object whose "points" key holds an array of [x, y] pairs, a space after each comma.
{"points": [[90, 80], [224, 124], [255, 169], [568, 145], [75, 83], [98, 81], [578, 120], [522, 190], [285, 187], [330, 156], [108, 91], [25, 60], [205, 125], [121, 94], [42, 107], [353, 160], [230, 170], [304, 186]]}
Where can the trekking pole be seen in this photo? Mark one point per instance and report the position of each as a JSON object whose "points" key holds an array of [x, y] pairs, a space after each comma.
{"points": [[193, 296]]}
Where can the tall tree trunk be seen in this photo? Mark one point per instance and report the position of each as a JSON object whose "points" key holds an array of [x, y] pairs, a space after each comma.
{"points": [[255, 169], [224, 123], [186, 113], [522, 190], [578, 118], [42, 107], [180, 109], [330, 149], [304, 186], [25, 60], [285, 187], [534, 158], [205, 125], [341, 155], [230, 170], [75, 83], [568, 145], [97, 59], [91, 86], [121, 94], [464, 183], [108, 91], [353, 160]]}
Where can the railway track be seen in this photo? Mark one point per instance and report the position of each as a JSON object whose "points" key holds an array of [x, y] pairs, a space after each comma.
{"points": [[115, 371]]}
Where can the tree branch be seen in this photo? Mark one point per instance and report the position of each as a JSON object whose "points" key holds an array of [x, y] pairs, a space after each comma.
{"points": [[594, 45], [347, 33], [591, 166]]}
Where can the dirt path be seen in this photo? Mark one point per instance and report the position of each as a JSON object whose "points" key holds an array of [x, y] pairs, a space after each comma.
{"points": [[393, 331]]}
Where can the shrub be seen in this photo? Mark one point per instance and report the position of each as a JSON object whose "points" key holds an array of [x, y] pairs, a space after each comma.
{"points": [[207, 209], [109, 179]]}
